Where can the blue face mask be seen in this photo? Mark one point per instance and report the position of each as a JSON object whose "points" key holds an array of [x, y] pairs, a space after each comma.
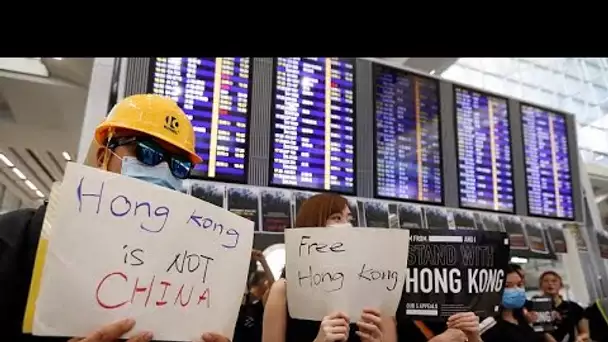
{"points": [[160, 174], [514, 298]]}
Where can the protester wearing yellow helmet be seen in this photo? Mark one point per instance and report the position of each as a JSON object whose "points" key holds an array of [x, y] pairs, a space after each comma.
{"points": [[147, 137]]}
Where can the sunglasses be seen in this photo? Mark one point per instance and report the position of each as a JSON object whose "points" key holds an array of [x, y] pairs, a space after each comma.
{"points": [[150, 153]]}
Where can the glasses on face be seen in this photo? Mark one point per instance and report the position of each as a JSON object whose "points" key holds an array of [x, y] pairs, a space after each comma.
{"points": [[150, 153]]}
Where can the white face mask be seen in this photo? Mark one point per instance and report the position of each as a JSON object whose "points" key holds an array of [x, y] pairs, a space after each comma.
{"points": [[340, 225]]}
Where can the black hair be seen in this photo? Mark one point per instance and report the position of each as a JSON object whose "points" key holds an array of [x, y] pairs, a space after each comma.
{"points": [[511, 268]]}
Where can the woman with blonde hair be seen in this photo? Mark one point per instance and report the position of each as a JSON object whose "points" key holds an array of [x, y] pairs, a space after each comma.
{"points": [[323, 210]]}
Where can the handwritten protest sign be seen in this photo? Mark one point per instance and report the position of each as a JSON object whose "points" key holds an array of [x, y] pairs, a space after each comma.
{"points": [[451, 271], [344, 269], [123, 248]]}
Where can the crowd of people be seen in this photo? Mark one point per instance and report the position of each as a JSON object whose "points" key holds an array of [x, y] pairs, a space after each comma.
{"points": [[135, 141]]}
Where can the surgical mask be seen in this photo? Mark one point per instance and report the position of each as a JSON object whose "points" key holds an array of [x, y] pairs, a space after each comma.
{"points": [[514, 298], [340, 225], [160, 174]]}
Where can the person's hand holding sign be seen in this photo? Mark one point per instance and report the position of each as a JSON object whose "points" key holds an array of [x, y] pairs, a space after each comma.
{"points": [[450, 335], [531, 316], [112, 332], [213, 337], [370, 326], [334, 328], [468, 322]]}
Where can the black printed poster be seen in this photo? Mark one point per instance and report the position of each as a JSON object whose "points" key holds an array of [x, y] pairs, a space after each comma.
{"points": [[463, 220], [436, 218], [410, 216], [185, 187], [602, 241], [543, 307], [213, 193], [451, 271], [244, 201], [536, 236], [515, 228], [490, 222], [354, 211], [575, 228], [276, 210], [376, 214], [556, 237], [361, 211], [393, 215]]}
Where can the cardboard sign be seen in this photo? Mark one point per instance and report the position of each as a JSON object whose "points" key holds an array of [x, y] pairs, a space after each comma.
{"points": [[543, 306], [451, 271], [344, 269], [123, 248]]}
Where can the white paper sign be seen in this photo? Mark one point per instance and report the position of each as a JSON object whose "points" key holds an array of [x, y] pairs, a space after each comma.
{"points": [[123, 248], [344, 269]]}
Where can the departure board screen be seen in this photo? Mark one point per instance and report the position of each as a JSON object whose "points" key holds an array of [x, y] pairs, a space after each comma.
{"points": [[313, 138], [407, 134], [214, 93], [485, 171], [548, 175]]}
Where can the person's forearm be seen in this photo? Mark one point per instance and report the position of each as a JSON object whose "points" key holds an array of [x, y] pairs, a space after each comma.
{"points": [[583, 326], [268, 271]]}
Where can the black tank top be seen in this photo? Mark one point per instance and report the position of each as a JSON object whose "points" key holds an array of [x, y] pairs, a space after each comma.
{"points": [[300, 330]]}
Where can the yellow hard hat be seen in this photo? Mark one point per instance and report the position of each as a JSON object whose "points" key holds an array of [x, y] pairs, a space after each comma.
{"points": [[154, 115]]}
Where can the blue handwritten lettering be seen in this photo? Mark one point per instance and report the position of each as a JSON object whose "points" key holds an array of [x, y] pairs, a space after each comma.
{"points": [[235, 233], [127, 203], [121, 206], [161, 211], [145, 205], [207, 222], [80, 195]]}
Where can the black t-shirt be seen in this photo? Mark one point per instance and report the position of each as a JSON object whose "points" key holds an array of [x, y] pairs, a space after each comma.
{"points": [[570, 314], [505, 331], [598, 328], [249, 322], [407, 331], [19, 235]]}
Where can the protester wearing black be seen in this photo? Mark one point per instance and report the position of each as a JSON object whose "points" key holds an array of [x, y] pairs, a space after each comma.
{"points": [[511, 322], [596, 315], [570, 324], [137, 123], [249, 322], [251, 315]]}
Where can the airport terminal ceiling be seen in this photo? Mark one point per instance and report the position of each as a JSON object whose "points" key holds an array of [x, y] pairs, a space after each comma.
{"points": [[42, 103]]}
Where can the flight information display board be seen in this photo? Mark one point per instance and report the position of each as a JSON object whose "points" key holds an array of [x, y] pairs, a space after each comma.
{"points": [[313, 136], [214, 92], [407, 134], [485, 171], [548, 174]]}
